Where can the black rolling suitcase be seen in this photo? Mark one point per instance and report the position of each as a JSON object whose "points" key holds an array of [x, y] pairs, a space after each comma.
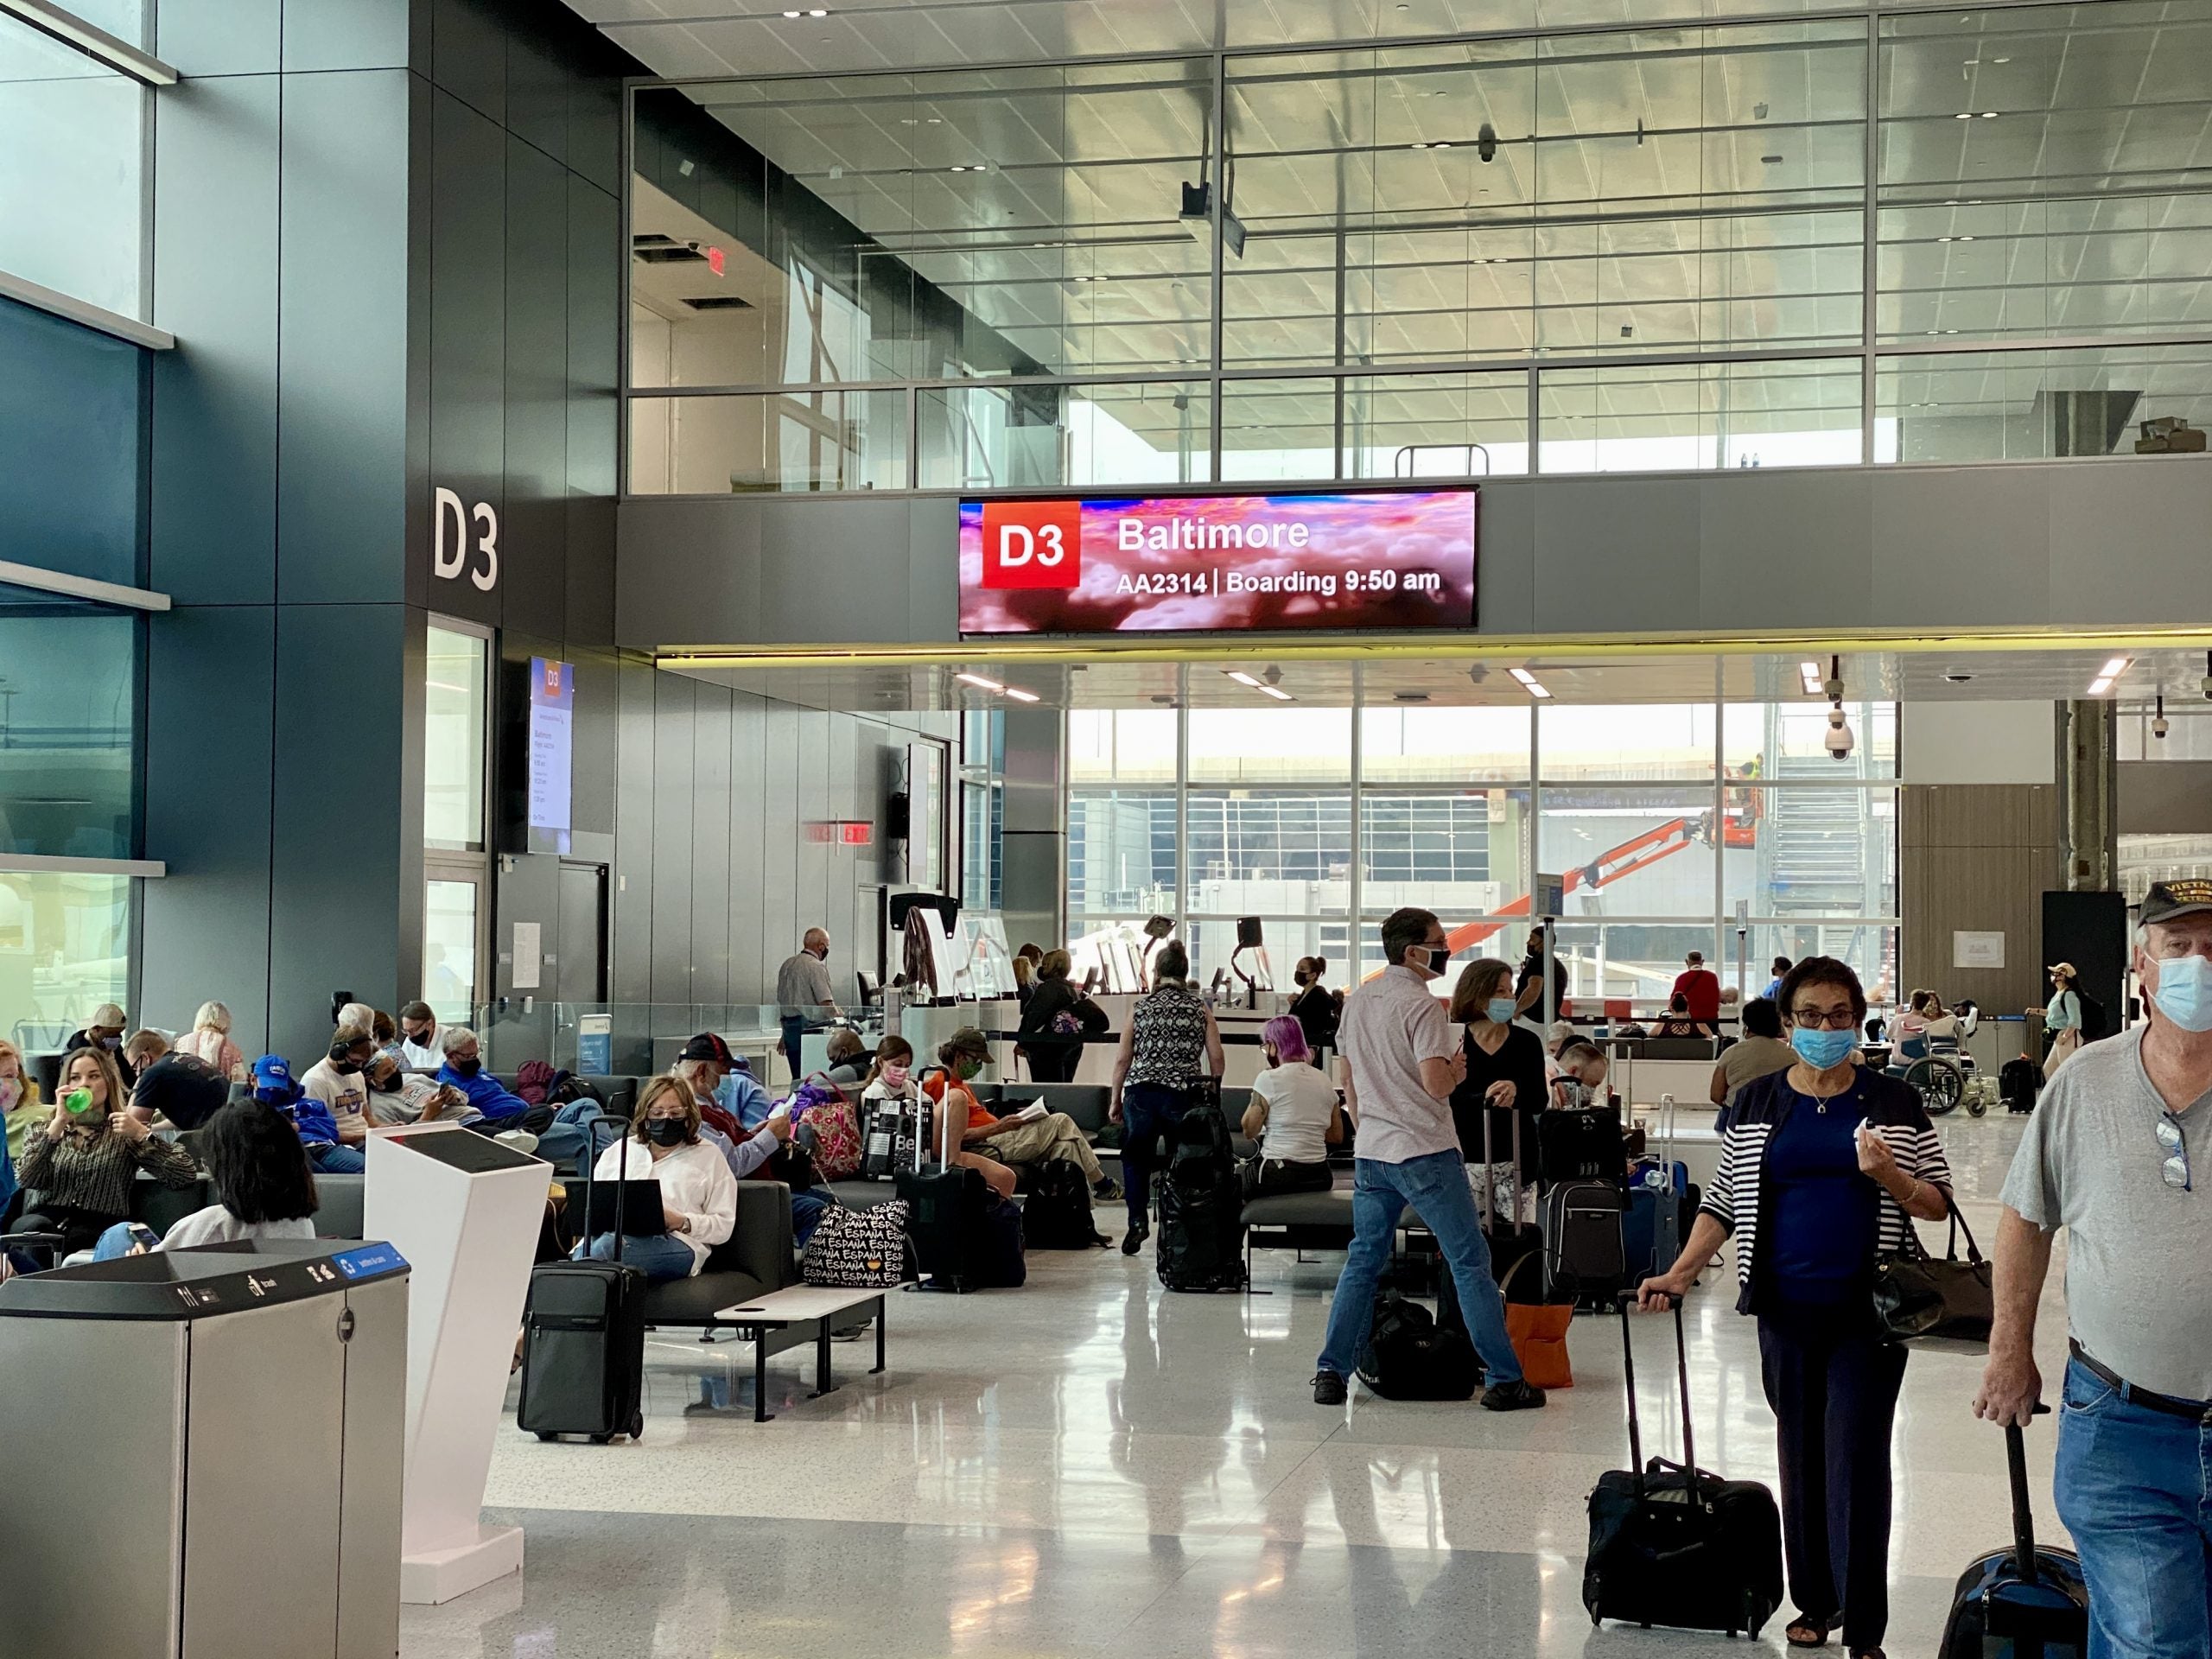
{"points": [[583, 1352], [2019, 1081], [1511, 1240], [1581, 1145], [1202, 1206], [966, 1238], [1671, 1544], [2020, 1603]]}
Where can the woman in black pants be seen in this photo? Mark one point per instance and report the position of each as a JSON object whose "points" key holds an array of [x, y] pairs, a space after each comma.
{"points": [[1170, 1042], [1823, 1168], [1055, 1019]]}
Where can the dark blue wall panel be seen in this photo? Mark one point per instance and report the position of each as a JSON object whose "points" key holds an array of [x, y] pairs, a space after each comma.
{"points": [[72, 410]]}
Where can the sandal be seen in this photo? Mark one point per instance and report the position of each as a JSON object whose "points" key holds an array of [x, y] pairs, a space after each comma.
{"points": [[1807, 1633]]}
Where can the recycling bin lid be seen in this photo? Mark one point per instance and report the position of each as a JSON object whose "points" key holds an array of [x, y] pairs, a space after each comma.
{"points": [[202, 1282]]}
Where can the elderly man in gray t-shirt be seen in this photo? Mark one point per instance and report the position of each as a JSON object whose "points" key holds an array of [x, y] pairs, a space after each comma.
{"points": [[2113, 1154], [802, 993]]}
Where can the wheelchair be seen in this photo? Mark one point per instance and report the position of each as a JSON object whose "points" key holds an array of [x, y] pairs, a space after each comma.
{"points": [[1940, 1069]]}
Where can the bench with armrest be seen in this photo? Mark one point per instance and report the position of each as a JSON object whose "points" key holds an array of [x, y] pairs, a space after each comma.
{"points": [[755, 1259]]}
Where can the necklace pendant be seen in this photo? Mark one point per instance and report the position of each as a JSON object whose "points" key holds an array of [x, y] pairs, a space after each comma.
{"points": [[1821, 1106]]}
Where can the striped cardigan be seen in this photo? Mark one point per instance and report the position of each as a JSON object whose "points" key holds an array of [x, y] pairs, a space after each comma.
{"points": [[1738, 1196]]}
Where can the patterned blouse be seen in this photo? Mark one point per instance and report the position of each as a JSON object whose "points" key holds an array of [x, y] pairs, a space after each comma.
{"points": [[94, 1173], [1168, 1047]]}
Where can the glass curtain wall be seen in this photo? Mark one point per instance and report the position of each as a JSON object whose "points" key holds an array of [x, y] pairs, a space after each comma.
{"points": [[1885, 236], [1661, 822]]}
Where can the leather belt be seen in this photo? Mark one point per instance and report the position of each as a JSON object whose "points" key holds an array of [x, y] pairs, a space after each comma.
{"points": [[2198, 1411]]}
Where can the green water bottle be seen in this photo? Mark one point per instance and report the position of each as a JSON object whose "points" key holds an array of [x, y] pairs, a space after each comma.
{"points": [[77, 1101]]}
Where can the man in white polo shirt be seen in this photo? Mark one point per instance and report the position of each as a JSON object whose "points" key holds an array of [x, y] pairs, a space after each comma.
{"points": [[1401, 1061]]}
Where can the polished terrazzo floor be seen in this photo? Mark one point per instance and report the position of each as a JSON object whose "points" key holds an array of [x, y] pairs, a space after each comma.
{"points": [[1090, 1465]]}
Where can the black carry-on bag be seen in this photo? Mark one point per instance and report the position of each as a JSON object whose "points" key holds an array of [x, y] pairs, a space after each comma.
{"points": [[1202, 1204], [965, 1237], [583, 1351], [1671, 1544], [1412, 1354], [1511, 1238], [2020, 1603]]}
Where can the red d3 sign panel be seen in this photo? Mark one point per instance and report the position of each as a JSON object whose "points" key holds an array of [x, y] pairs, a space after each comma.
{"points": [[1033, 544]]}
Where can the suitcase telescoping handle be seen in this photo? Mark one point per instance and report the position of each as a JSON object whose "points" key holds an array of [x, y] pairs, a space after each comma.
{"points": [[2024, 1520], [1484, 1187], [1627, 1301], [621, 1171]]}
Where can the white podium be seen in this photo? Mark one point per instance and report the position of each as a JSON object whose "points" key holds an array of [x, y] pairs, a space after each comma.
{"points": [[464, 1210]]}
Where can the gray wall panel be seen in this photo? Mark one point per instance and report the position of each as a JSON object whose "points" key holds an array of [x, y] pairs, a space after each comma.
{"points": [[748, 820], [933, 601], [534, 577], [468, 302], [809, 792], [686, 566], [213, 521], [1749, 525], [2166, 798], [211, 679], [217, 37], [673, 702], [632, 898], [353, 34], [708, 809], [343, 336], [1505, 576], [780, 923], [1643, 565], [468, 54], [2126, 544], [336, 863], [1971, 545]]}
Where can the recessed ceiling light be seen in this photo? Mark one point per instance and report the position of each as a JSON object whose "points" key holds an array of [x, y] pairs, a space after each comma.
{"points": [[1963, 115], [979, 682], [1528, 683], [1420, 145], [1442, 144], [817, 12], [2000, 60], [794, 14], [1989, 115]]}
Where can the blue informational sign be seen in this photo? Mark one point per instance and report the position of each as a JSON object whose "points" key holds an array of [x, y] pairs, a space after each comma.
{"points": [[368, 1260], [552, 718], [595, 1044]]}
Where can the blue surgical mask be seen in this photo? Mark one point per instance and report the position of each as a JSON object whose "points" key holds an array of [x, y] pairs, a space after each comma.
{"points": [[1821, 1048], [1499, 1009], [2184, 993]]}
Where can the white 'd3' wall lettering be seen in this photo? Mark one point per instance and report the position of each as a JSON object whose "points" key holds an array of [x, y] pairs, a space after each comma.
{"points": [[451, 544]]}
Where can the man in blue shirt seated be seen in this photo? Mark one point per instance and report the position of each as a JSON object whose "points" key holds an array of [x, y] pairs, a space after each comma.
{"points": [[464, 1071]]}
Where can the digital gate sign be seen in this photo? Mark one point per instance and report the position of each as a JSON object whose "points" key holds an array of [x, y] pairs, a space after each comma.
{"points": [[1377, 559]]}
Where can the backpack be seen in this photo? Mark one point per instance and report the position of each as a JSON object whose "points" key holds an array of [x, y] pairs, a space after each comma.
{"points": [[1412, 1355], [1058, 1216], [534, 1083], [2093, 1016], [1202, 1207], [569, 1088]]}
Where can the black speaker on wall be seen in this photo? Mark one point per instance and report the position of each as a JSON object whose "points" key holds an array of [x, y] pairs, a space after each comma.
{"points": [[2090, 930]]}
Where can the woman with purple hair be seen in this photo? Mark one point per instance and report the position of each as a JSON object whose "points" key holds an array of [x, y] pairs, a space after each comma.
{"points": [[1293, 1116]]}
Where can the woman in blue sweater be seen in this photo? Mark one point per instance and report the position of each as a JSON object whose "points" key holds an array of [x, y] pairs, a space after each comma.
{"points": [[1823, 1168]]}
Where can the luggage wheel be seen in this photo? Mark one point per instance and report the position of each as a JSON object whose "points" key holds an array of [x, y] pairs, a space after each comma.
{"points": [[545, 1435]]}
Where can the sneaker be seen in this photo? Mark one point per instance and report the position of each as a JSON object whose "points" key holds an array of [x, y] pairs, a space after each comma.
{"points": [[1107, 1191], [1519, 1395], [1328, 1389], [1132, 1240], [520, 1140]]}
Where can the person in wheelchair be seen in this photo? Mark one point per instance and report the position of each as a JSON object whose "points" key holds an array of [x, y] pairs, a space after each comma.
{"points": [[1931, 1055]]}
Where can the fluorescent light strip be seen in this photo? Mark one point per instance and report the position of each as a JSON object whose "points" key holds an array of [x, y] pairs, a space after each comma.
{"points": [[2115, 668], [979, 681], [2099, 686], [1277, 693], [1528, 681], [1021, 696], [1243, 678]]}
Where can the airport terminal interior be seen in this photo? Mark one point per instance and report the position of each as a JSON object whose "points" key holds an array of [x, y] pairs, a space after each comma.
{"points": [[612, 612]]}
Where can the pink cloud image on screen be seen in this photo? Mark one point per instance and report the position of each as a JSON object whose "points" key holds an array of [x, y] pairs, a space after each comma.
{"points": [[1383, 560]]}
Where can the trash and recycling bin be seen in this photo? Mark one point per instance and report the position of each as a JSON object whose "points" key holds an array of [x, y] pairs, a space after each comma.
{"points": [[200, 1451]]}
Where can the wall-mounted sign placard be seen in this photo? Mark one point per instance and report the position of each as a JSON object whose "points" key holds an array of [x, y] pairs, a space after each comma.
{"points": [[1381, 559], [464, 539], [840, 832]]}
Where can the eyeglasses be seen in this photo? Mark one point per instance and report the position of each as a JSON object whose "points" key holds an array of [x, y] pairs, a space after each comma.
{"points": [[2175, 1166], [1833, 1019]]}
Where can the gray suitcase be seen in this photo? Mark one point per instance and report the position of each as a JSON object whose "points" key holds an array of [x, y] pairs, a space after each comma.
{"points": [[1583, 1256]]}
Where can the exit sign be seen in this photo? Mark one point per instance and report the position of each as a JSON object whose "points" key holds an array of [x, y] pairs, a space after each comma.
{"points": [[840, 832]]}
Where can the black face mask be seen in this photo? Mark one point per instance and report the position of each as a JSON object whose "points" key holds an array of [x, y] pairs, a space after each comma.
{"points": [[391, 1082], [466, 1068], [419, 1037], [667, 1131]]}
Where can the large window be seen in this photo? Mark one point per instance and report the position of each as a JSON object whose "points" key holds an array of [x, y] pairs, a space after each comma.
{"points": [[64, 949], [68, 727], [456, 837], [1645, 240], [1663, 824]]}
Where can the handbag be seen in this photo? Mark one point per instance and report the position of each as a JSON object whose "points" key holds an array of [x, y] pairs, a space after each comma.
{"points": [[1918, 1298], [1538, 1332], [858, 1250]]}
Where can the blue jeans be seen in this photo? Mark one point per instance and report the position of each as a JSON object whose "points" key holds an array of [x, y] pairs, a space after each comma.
{"points": [[337, 1161], [663, 1255], [2134, 1487], [807, 1211], [1149, 1111], [113, 1244], [1436, 1185]]}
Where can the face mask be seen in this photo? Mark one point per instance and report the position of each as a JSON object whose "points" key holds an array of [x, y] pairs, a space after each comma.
{"points": [[466, 1068], [896, 1075], [666, 1131], [1499, 1009], [968, 1070], [344, 1068], [1821, 1048], [10, 1088], [419, 1038], [2184, 993], [111, 1042], [389, 1084], [1421, 967]]}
